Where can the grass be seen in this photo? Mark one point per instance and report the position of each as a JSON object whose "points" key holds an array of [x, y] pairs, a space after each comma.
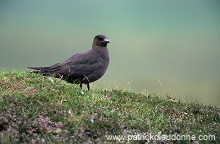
{"points": [[37, 109]]}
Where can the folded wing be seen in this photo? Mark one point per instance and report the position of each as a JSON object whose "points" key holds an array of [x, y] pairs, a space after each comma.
{"points": [[73, 69]]}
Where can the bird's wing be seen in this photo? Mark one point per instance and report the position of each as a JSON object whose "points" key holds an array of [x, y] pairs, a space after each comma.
{"points": [[79, 65]]}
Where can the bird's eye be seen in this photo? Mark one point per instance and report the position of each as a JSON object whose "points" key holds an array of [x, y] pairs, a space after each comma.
{"points": [[100, 39]]}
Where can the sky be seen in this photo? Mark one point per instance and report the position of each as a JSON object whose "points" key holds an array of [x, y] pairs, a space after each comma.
{"points": [[164, 47]]}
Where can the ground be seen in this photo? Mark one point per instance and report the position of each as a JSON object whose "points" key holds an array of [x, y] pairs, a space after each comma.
{"points": [[38, 109]]}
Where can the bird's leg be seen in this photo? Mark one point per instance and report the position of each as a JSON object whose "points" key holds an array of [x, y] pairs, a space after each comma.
{"points": [[88, 86], [80, 85]]}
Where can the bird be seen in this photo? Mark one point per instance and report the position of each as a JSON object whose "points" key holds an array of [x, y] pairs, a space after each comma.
{"points": [[82, 68]]}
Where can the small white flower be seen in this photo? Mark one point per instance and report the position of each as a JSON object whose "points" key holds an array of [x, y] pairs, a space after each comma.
{"points": [[69, 111], [50, 79]]}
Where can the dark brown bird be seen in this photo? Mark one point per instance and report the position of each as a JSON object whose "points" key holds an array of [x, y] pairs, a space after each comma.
{"points": [[84, 67]]}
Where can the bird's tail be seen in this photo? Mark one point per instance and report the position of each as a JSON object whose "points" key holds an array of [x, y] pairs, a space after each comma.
{"points": [[39, 68], [46, 71]]}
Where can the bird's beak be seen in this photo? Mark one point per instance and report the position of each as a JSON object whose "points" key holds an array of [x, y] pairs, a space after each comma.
{"points": [[106, 41]]}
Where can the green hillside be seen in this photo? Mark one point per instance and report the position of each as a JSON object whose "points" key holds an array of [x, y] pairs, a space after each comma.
{"points": [[38, 109]]}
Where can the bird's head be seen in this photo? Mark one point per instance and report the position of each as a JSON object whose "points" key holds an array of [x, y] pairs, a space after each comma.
{"points": [[100, 40]]}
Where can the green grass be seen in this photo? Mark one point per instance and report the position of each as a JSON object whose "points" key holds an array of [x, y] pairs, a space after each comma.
{"points": [[37, 109]]}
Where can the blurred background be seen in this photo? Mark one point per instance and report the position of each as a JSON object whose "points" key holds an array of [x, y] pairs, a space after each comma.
{"points": [[164, 47]]}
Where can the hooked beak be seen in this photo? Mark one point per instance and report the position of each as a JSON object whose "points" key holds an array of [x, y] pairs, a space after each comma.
{"points": [[106, 41]]}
